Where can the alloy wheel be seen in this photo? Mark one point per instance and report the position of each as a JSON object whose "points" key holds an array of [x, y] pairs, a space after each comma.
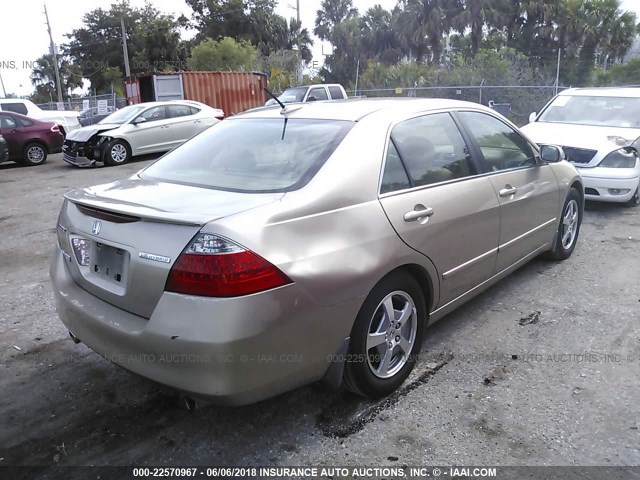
{"points": [[392, 334], [570, 224], [35, 154], [118, 153]]}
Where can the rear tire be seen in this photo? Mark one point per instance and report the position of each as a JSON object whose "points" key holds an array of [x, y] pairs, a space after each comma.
{"points": [[34, 153], [382, 353], [569, 228], [117, 152]]}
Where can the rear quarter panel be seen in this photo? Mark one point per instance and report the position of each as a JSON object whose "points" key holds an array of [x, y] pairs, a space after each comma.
{"points": [[332, 237]]}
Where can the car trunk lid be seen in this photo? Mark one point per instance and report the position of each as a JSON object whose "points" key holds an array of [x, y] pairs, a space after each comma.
{"points": [[134, 230]]}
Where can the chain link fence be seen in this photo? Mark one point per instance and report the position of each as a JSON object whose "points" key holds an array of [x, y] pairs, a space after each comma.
{"points": [[515, 102], [83, 103]]}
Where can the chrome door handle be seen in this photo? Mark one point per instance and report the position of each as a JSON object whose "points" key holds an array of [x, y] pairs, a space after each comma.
{"points": [[418, 213], [507, 191]]}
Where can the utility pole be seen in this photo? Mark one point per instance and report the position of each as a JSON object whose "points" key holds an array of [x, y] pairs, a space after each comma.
{"points": [[355, 93], [558, 71], [127, 72], [4, 92], [298, 9], [52, 49]]}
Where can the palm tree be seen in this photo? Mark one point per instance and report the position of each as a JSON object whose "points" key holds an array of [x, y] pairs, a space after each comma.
{"points": [[298, 38], [476, 14], [331, 14], [379, 40], [425, 22], [43, 75]]}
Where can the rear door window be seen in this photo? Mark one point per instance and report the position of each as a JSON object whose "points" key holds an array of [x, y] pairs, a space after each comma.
{"points": [[7, 121], [319, 93], [336, 92], [395, 176], [14, 107], [283, 154], [432, 149], [175, 111]]}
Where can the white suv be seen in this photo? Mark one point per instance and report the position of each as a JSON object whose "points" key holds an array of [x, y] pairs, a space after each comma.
{"points": [[66, 120], [599, 130]]}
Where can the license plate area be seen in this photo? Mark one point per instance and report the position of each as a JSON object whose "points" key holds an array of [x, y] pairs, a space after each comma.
{"points": [[108, 264]]}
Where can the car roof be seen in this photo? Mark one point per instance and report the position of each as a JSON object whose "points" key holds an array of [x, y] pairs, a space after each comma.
{"points": [[355, 109], [14, 100], [169, 102], [19, 115], [630, 92], [315, 85]]}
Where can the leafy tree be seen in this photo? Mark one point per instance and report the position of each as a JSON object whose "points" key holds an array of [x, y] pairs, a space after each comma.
{"points": [[423, 24], [379, 39], [404, 74], [476, 14], [153, 42], [337, 21], [618, 75], [226, 54], [332, 13], [43, 77]]}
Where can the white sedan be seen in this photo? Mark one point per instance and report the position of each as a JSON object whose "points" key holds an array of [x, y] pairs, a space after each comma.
{"points": [[599, 130], [137, 130]]}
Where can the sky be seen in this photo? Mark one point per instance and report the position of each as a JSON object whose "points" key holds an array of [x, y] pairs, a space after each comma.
{"points": [[24, 38]]}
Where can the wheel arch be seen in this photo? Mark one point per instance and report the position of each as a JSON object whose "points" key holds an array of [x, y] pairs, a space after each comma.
{"points": [[579, 187], [36, 141], [126, 142], [422, 276]]}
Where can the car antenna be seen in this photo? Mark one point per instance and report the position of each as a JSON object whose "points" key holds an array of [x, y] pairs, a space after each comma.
{"points": [[275, 98]]}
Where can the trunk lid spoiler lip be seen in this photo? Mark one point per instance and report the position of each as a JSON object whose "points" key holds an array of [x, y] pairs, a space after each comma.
{"points": [[148, 213]]}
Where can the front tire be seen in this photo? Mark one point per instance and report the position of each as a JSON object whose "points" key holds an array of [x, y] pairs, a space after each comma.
{"points": [[386, 337], [569, 228], [635, 200], [117, 152], [34, 154]]}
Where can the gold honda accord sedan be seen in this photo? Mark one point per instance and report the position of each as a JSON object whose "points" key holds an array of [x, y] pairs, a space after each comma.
{"points": [[287, 245]]}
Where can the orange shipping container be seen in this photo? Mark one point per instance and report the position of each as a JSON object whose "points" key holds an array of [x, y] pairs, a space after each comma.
{"points": [[233, 92]]}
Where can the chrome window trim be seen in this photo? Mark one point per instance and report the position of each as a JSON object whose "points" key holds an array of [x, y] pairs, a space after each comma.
{"points": [[411, 116]]}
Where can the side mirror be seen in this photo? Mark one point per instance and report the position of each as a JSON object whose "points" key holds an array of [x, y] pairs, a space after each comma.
{"points": [[551, 153], [311, 99], [139, 120], [532, 117]]}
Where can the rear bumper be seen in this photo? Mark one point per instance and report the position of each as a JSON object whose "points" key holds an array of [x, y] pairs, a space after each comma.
{"points": [[610, 184], [231, 351]]}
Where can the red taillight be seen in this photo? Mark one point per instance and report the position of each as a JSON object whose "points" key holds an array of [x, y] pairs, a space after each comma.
{"points": [[215, 267], [55, 128]]}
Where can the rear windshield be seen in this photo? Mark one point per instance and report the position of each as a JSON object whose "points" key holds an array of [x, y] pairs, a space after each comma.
{"points": [[256, 155], [599, 111]]}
